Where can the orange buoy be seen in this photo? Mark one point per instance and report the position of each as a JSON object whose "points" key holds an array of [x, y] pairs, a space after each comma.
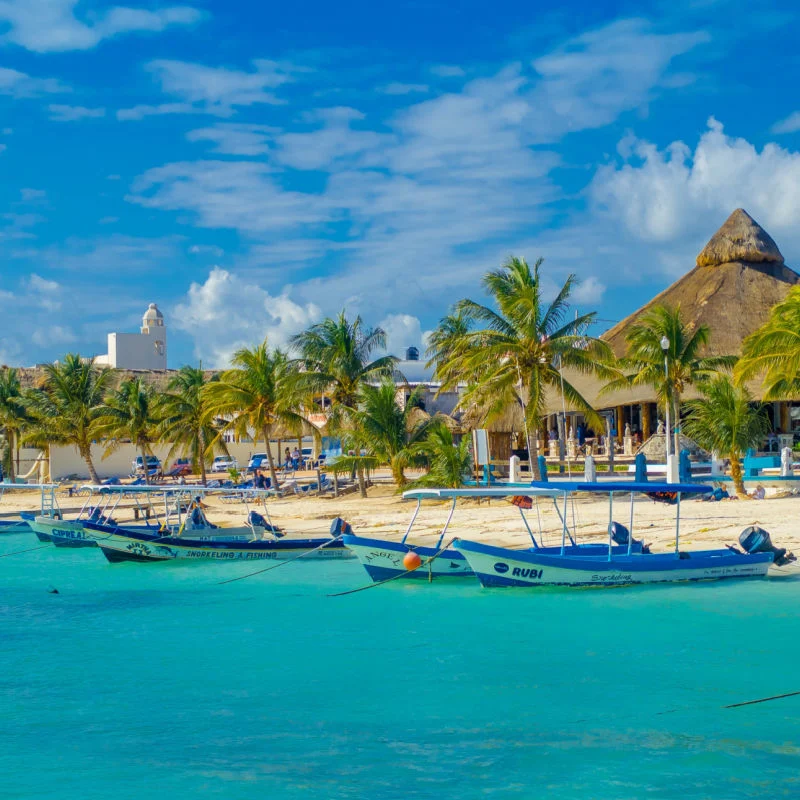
{"points": [[412, 561]]}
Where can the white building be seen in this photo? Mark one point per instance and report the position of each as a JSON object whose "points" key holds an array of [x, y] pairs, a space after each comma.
{"points": [[144, 350]]}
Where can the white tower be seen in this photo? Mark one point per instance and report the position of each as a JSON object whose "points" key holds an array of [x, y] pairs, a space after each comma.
{"points": [[144, 350]]}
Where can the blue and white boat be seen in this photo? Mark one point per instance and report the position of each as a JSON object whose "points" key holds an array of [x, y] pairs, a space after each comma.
{"points": [[384, 559], [500, 566], [187, 533]]}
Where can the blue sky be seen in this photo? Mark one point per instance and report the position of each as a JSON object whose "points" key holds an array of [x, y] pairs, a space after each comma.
{"points": [[254, 166]]}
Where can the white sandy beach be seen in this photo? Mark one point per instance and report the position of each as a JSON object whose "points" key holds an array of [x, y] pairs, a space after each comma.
{"points": [[384, 514]]}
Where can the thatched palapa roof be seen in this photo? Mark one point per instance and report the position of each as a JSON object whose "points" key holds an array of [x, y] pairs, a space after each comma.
{"points": [[739, 276]]}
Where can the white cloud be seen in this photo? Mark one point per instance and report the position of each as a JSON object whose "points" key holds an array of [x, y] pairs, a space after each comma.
{"points": [[226, 313], [201, 89], [410, 208], [789, 125], [589, 81], [235, 139], [405, 88], [111, 254], [53, 335], [61, 113], [45, 26], [17, 84], [206, 250], [33, 196], [223, 194], [402, 331], [325, 148], [672, 194], [141, 111], [447, 71], [589, 292]]}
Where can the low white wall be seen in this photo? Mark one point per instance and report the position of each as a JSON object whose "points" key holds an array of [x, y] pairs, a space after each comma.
{"points": [[66, 461]]}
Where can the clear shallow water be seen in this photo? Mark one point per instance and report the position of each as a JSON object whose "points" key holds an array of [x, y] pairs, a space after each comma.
{"points": [[150, 681]]}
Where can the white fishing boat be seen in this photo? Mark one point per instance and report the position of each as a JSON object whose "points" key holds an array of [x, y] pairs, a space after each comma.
{"points": [[500, 566], [385, 559], [100, 505], [187, 533]]}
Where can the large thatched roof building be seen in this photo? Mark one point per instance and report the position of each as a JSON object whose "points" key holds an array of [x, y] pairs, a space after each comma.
{"points": [[738, 277]]}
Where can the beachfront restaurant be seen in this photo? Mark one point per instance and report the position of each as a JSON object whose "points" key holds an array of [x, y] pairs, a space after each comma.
{"points": [[737, 278]]}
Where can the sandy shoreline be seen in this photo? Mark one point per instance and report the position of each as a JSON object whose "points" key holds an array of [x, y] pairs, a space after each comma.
{"points": [[384, 514]]}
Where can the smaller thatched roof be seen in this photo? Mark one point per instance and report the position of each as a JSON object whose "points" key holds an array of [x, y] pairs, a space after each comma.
{"points": [[740, 238]]}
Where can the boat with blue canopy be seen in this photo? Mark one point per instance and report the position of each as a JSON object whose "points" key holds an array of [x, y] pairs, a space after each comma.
{"points": [[384, 559], [185, 532], [614, 566]]}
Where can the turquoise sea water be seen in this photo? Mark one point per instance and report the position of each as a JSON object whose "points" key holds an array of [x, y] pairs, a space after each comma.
{"points": [[150, 681]]}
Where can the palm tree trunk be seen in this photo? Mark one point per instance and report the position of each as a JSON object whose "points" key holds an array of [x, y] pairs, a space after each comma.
{"points": [[10, 443], [398, 474], [201, 441], [362, 487], [143, 451], [676, 421], [86, 454], [272, 474], [736, 475]]}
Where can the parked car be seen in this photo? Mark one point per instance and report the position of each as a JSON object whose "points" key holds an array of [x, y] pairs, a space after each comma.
{"points": [[153, 465], [224, 463]]}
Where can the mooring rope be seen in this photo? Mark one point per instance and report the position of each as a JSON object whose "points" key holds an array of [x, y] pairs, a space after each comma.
{"points": [[763, 700], [399, 575], [280, 563], [29, 550]]}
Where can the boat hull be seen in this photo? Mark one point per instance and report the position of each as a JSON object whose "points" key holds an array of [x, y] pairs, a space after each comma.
{"points": [[14, 526], [498, 566], [119, 545], [61, 532], [384, 559]]}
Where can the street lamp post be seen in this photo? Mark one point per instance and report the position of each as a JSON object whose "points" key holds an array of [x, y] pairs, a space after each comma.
{"points": [[671, 477]]}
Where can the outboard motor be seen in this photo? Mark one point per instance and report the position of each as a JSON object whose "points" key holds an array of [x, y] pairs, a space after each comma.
{"points": [[340, 527], [256, 519], [756, 540], [619, 533], [620, 536]]}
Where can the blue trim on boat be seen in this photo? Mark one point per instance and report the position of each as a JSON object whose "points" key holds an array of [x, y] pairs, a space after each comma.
{"points": [[621, 486], [185, 541]]}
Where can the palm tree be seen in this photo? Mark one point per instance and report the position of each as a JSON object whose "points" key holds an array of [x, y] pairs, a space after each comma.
{"points": [[184, 419], [260, 392], [520, 351], [774, 351], [129, 413], [643, 364], [448, 462], [66, 405], [385, 429], [336, 359], [725, 421], [12, 414], [445, 339]]}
